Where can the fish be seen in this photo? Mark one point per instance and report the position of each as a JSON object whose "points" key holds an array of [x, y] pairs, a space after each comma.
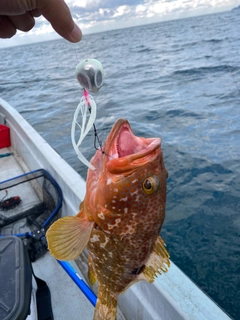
{"points": [[119, 219]]}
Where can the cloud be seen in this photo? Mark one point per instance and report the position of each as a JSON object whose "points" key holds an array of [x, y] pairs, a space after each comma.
{"points": [[101, 15], [96, 10], [94, 5], [112, 14]]}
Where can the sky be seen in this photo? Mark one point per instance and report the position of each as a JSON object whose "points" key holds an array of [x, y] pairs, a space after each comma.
{"points": [[102, 15]]}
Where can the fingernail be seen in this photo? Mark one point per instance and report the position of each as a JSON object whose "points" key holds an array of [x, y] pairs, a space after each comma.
{"points": [[76, 34]]}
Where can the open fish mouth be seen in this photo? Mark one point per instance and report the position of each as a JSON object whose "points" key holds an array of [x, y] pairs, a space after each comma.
{"points": [[123, 147], [127, 143]]}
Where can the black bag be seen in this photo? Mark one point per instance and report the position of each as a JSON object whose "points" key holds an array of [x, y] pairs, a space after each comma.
{"points": [[15, 279], [16, 283]]}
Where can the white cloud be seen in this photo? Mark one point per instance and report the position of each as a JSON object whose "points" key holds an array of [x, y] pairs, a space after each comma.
{"points": [[101, 15], [122, 11]]}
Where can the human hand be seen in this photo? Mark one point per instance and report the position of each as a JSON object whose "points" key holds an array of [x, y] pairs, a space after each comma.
{"points": [[19, 15]]}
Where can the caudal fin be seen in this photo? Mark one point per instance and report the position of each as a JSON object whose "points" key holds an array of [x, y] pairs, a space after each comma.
{"points": [[106, 307]]}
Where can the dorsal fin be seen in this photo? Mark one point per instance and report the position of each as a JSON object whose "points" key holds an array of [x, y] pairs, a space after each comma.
{"points": [[158, 261]]}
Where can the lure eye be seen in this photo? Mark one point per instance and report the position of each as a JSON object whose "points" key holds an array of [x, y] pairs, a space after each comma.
{"points": [[151, 185]]}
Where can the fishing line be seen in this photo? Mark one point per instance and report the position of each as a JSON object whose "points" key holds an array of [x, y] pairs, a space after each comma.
{"points": [[75, 51], [96, 138]]}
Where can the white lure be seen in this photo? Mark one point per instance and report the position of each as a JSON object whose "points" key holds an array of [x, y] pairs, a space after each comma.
{"points": [[90, 75], [85, 127]]}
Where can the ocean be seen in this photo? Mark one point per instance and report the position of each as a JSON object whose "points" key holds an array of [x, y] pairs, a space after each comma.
{"points": [[178, 80]]}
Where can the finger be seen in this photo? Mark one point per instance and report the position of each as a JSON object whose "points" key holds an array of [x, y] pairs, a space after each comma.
{"points": [[23, 22], [58, 14], [7, 29], [35, 13], [12, 7]]}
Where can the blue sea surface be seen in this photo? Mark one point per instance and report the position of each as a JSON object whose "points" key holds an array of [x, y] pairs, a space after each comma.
{"points": [[178, 80]]}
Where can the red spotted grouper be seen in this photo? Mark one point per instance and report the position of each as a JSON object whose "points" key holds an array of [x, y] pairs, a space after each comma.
{"points": [[120, 218]]}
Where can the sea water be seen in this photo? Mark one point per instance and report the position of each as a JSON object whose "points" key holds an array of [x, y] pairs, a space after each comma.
{"points": [[178, 80]]}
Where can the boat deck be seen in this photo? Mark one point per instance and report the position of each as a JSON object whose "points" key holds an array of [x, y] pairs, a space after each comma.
{"points": [[66, 297], [8, 164]]}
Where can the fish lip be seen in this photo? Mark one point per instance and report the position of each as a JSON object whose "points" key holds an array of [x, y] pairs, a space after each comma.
{"points": [[142, 147]]}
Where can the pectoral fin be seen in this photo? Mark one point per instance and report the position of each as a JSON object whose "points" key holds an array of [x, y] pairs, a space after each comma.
{"points": [[158, 261], [68, 236]]}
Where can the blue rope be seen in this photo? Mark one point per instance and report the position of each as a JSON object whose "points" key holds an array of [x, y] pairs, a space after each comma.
{"points": [[5, 155]]}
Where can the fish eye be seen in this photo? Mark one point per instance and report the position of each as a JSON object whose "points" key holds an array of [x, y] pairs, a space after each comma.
{"points": [[151, 185]]}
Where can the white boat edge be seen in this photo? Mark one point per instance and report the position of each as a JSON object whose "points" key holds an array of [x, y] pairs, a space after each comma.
{"points": [[172, 296]]}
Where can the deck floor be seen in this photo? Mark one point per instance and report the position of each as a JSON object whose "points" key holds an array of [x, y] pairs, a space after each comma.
{"points": [[66, 297], [68, 302], [9, 167]]}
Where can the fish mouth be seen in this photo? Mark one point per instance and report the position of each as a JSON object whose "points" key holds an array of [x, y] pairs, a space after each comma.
{"points": [[126, 151]]}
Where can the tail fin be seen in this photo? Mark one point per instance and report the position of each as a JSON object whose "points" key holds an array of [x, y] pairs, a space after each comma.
{"points": [[106, 307]]}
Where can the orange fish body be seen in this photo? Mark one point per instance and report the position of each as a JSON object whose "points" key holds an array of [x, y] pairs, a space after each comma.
{"points": [[120, 218]]}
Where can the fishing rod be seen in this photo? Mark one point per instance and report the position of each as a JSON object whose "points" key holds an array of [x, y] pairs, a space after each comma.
{"points": [[79, 281]]}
